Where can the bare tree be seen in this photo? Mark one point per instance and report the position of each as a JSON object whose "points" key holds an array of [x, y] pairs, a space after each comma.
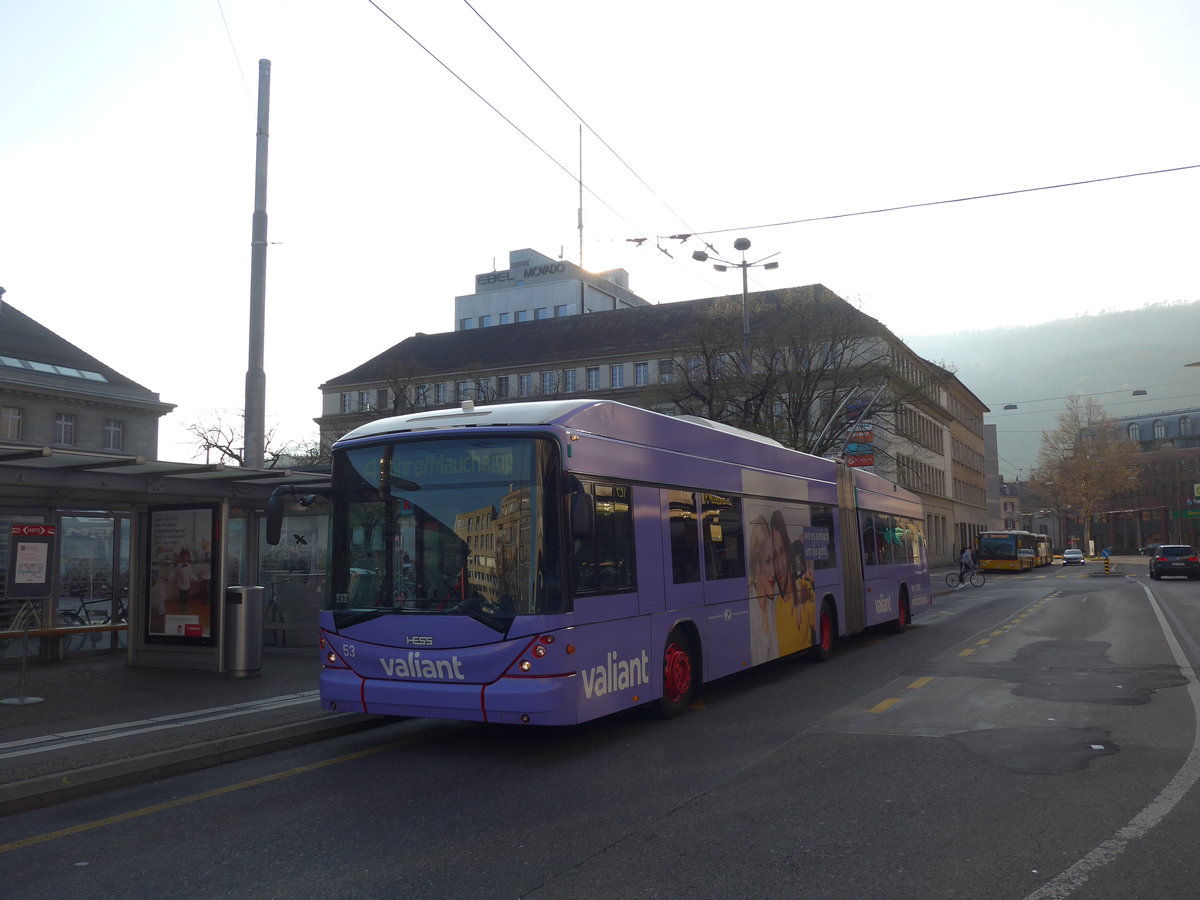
{"points": [[1085, 460], [820, 370], [224, 438]]}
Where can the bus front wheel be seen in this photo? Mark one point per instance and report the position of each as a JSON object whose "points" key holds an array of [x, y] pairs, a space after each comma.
{"points": [[679, 675]]}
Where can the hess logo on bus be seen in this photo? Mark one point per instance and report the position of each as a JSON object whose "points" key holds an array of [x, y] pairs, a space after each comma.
{"points": [[419, 640]]}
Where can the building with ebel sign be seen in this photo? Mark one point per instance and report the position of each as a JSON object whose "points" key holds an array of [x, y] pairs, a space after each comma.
{"points": [[925, 426], [536, 287]]}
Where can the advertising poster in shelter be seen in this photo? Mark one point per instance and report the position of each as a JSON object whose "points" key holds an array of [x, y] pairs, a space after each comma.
{"points": [[183, 551]]}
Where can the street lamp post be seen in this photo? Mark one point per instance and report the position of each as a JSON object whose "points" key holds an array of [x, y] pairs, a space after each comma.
{"points": [[722, 265]]}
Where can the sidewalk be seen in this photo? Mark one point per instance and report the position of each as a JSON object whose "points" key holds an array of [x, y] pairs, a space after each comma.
{"points": [[103, 724]]}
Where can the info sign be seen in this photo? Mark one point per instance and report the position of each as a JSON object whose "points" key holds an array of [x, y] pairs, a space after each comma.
{"points": [[31, 555], [861, 459]]}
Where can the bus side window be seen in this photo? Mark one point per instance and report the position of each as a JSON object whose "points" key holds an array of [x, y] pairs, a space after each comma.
{"points": [[870, 539], [721, 524], [604, 560], [685, 537]]}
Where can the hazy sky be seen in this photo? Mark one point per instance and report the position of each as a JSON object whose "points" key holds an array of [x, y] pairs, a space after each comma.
{"points": [[127, 150]]}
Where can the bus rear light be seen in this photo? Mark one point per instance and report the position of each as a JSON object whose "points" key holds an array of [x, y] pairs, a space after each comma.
{"points": [[525, 665], [539, 651], [570, 648], [546, 638]]}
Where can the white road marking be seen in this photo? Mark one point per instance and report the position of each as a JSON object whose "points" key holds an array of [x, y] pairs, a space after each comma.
{"points": [[1065, 883]]}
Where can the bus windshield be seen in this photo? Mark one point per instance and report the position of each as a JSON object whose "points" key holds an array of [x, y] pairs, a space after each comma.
{"points": [[997, 546], [453, 526]]}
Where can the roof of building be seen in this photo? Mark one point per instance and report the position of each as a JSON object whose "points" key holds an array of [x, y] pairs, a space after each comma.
{"points": [[565, 339], [24, 339]]}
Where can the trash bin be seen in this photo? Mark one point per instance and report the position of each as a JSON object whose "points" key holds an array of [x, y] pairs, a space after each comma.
{"points": [[242, 631]]}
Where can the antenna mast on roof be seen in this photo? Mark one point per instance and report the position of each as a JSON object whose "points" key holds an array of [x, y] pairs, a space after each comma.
{"points": [[581, 196]]}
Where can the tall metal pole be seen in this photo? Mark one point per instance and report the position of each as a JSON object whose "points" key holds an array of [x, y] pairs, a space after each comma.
{"points": [[256, 378], [746, 366]]}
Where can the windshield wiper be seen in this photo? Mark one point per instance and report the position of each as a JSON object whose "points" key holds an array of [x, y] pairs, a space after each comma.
{"points": [[474, 608]]}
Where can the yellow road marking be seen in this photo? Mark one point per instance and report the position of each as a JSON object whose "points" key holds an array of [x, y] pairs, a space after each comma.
{"points": [[195, 798], [967, 652], [982, 642], [884, 705], [920, 683]]}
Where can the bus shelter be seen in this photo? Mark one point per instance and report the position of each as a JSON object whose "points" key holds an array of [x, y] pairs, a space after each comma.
{"points": [[104, 552]]}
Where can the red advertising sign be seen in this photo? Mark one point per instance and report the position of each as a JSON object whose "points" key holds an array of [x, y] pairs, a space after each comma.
{"points": [[861, 459], [861, 437]]}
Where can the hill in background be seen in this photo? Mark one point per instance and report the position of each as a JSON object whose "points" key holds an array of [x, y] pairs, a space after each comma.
{"points": [[1037, 365]]}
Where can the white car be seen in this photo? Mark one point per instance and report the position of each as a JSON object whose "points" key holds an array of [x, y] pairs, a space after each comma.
{"points": [[1073, 558]]}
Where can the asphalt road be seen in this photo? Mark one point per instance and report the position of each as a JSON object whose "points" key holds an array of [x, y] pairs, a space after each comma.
{"points": [[1033, 738]]}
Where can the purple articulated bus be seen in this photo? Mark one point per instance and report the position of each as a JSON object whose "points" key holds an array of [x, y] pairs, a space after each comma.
{"points": [[551, 562]]}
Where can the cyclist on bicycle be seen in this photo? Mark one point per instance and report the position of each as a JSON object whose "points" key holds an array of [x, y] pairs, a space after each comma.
{"points": [[966, 563]]}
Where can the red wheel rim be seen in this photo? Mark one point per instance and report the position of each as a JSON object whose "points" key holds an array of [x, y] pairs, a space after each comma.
{"points": [[826, 630], [677, 672]]}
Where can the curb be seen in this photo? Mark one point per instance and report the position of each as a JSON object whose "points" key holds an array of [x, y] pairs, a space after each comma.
{"points": [[48, 790]]}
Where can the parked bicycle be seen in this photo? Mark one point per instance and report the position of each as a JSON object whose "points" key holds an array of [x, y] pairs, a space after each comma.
{"points": [[93, 611], [973, 577]]}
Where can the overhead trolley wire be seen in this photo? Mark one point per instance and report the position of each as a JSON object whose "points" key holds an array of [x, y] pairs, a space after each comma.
{"points": [[886, 209], [493, 108]]}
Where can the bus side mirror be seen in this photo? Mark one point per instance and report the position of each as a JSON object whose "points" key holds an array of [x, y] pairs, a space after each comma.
{"points": [[583, 510], [275, 513], [277, 501]]}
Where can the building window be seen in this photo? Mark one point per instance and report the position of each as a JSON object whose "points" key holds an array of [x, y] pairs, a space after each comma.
{"points": [[505, 318], [563, 309], [522, 315], [465, 324], [1135, 431], [366, 400], [114, 434], [616, 375], [439, 392], [547, 383], [462, 391], [641, 374], [542, 312], [569, 380], [593, 378], [1185, 425], [10, 423], [1160, 429], [501, 385], [64, 429], [666, 371], [524, 385], [485, 321]]}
